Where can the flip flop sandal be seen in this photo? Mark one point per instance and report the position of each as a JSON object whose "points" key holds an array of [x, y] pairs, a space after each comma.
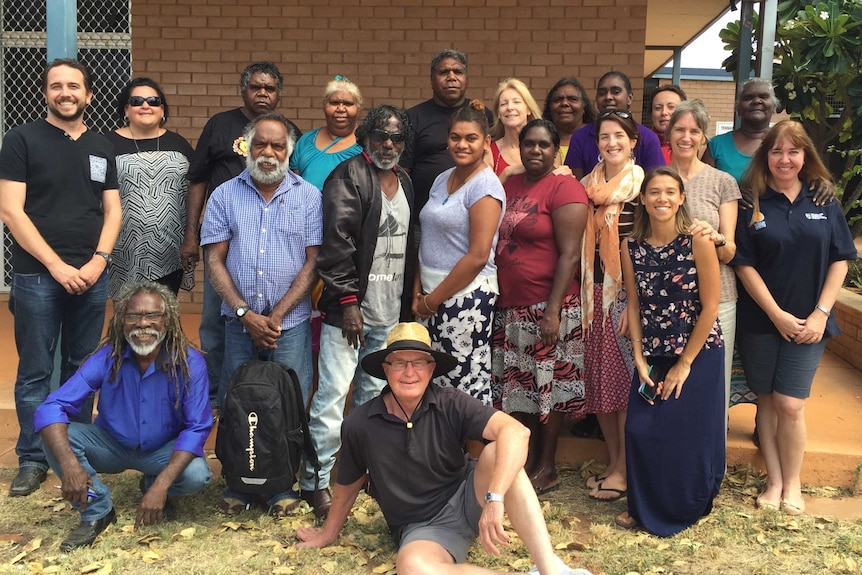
{"points": [[283, 507], [231, 506], [630, 523], [620, 493], [547, 489], [594, 480]]}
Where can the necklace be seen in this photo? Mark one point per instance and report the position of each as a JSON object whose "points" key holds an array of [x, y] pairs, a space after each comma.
{"points": [[452, 187], [401, 407], [158, 141]]}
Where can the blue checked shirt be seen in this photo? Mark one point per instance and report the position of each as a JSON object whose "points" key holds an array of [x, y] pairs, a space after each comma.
{"points": [[267, 239]]}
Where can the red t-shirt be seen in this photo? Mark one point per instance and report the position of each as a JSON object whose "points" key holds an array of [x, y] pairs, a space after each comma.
{"points": [[527, 252]]}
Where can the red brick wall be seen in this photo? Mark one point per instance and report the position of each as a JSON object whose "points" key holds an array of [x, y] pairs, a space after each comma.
{"points": [[196, 48]]}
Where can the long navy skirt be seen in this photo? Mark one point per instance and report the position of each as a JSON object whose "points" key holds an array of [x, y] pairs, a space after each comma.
{"points": [[675, 449]]}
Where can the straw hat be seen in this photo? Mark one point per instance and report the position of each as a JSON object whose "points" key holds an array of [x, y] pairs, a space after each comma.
{"points": [[409, 336]]}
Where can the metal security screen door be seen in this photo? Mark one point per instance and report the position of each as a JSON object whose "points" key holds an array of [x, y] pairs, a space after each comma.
{"points": [[104, 46]]}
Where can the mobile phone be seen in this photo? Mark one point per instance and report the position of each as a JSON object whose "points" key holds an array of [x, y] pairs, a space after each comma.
{"points": [[647, 392], [656, 374]]}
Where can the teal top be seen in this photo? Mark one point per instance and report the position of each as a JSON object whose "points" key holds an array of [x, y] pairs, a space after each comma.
{"points": [[314, 165], [727, 157]]}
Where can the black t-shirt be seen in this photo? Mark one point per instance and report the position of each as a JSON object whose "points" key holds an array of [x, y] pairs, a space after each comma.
{"points": [[218, 156], [414, 471], [427, 157], [65, 179]]}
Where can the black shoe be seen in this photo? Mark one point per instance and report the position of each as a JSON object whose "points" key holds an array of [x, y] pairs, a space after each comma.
{"points": [[320, 500], [27, 481], [86, 532]]}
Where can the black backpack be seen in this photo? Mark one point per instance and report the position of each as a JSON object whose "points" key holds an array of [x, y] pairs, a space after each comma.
{"points": [[263, 429]]}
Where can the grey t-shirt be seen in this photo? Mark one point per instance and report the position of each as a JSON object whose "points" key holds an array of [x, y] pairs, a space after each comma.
{"points": [[381, 305]]}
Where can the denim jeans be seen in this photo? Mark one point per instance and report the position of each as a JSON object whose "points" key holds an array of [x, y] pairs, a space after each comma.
{"points": [[98, 452], [293, 350], [211, 333], [338, 365], [42, 308]]}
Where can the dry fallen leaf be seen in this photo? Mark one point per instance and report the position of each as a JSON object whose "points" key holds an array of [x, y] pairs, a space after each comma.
{"points": [[383, 568], [330, 566], [283, 570], [150, 556], [91, 568]]}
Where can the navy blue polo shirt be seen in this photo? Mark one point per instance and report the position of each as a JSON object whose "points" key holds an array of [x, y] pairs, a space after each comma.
{"points": [[791, 246]]}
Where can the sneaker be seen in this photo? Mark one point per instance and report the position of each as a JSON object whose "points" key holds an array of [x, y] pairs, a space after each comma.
{"points": [[562, 568]]}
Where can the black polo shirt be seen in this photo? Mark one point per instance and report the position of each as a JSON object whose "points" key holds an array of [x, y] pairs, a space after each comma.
{"points": [[791, 247], [414, 471]]}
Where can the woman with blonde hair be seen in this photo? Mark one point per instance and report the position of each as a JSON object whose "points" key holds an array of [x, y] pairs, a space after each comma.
{"points": [[514, 106], [318, 152], [791, 258]]}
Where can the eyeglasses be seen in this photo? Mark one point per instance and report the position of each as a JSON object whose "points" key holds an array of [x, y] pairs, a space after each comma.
{"points": [[401, 364], [381, 136], [151, 317], [136, 101], [618, 113]]}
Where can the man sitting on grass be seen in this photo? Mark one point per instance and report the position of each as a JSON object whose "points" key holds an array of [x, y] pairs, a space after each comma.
{"points": [[154, 414], [436, 499]]}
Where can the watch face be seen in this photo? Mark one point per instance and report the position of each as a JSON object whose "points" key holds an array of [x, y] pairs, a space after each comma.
{"points": [[240, 311]]}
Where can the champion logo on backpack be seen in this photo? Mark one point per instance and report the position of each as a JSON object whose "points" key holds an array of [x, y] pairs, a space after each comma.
{"points": [[252, 427], [263, 429]]}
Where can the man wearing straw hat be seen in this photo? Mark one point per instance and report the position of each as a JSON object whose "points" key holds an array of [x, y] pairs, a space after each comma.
{"points": [[408, 444]]}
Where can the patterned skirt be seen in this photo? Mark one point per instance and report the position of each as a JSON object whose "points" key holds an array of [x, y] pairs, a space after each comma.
{"points": [[462, 328], [608, 359], [529, 377]]}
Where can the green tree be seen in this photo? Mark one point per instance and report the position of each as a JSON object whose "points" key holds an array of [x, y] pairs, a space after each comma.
{"points": [[817, 77]]}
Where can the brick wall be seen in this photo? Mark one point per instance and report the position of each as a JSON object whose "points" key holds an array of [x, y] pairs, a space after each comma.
{"points": [[196, 49], [848, 314], [718, 97]]}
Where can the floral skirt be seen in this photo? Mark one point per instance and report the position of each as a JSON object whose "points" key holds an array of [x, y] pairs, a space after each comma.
{"points": [[462, 328], [608, 359], [529, 377]]}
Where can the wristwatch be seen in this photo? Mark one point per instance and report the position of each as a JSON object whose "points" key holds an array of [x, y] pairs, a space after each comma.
{"points": [[493, 497], [108, 258], [241, 310], [723, 241]]}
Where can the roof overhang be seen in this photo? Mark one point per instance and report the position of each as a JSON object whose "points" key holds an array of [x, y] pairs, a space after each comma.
{"points": [[675, 24]]}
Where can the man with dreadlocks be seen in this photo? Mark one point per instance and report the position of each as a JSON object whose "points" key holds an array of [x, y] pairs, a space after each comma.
{"points": [[154, 414]]}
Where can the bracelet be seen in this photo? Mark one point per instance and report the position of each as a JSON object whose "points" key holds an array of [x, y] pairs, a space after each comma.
{"points": [[425, 303], [822, 308]]}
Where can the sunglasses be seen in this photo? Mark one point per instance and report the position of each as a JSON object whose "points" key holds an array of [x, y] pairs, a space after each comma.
{"points": [[381, 136], [618, 113], [153, 101]]}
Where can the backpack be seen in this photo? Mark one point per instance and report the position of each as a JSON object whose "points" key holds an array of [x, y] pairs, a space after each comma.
{"points": [[263, 430]]}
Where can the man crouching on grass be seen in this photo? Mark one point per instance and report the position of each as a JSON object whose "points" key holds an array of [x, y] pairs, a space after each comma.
{"points": [[154, 414], [435, 498]]}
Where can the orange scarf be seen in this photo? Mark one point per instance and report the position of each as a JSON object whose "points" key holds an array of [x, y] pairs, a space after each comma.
{"points": [[606, 199]]}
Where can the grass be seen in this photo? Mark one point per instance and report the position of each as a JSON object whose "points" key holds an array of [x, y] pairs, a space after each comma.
{"points": [[735, 539]]}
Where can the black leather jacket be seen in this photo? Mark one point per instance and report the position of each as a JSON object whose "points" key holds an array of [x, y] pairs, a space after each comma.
{"points": [[351, 217]]}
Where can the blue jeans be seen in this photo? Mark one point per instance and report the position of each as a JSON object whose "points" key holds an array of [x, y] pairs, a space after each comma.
{"points": [[293, 350], [98, 452], [338, 365], [211, 333], [42, 308]]}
